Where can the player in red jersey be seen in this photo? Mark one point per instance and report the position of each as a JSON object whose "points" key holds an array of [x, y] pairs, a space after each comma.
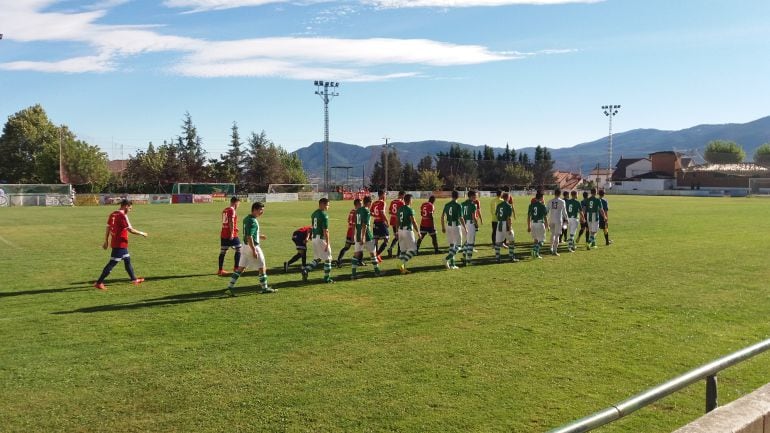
{"points": [[116, 236], [395, 205], [300, 237], [380, 230], [229, 235], [349, 236], [427, 226]]}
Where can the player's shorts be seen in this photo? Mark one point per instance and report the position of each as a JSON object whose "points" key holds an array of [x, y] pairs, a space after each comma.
{"points": [[602, 223], [394, 223], [454, 235], [380, 230], [249, 261], [593, 226], [406, 241], [368, 246], [470, 229], [572, 225], [230, 243], [503, 233], [299, 240], [319, 251], [555, 228], [538, 231], [427, 230], [119, 254], [350, 240]]}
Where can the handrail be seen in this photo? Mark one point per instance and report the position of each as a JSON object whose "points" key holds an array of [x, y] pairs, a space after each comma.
{"points": [[707, 371]]}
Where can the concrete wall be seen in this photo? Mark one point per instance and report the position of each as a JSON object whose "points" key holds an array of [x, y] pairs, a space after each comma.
{"points": [[748, 414]]}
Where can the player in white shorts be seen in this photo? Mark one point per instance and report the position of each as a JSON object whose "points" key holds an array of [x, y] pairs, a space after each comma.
{"points": [[253, 257], [452, 223], [557, 212], [537, 219], [573, 218], [503, 229], [364, 239]]}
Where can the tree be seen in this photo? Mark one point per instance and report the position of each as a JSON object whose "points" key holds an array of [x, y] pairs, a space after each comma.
{"points": [[458, 167], [394, 171], [190, 150], [430, 181], [542, 169], [263, 163], [762, 154], [517, 175], [84, 164], [410, 177], [29, 147], [724, 152], [425, 164]]}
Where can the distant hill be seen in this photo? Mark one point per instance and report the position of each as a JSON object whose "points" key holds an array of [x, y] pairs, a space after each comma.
{"points": [[581, 157]]}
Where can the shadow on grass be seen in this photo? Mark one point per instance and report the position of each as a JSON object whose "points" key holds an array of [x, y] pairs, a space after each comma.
{"points": [[44, 291], [154, 278]]}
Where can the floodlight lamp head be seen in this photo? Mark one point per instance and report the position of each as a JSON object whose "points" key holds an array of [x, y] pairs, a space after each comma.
{"points": [[606, 113], [604, 107], [617, 106]]}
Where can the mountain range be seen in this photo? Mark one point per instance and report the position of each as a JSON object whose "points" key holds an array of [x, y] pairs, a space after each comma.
{"points": [[578, 158]]}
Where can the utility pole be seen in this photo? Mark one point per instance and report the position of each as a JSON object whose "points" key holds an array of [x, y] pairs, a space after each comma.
{"points": [[322, 90], [610, 111], [387, 150]]}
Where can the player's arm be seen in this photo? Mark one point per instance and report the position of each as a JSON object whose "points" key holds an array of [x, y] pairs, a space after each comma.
{"points": [[106, 238], [443, 221], [326, 238], [415, 227], [137, 232], [604, 214], [513, 212], [529, 222], [480, 218], [462, 224], [545, 218], [250, 243], [231, 224]]}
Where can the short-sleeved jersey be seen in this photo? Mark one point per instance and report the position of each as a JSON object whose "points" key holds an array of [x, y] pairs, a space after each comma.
{"points": [[395, 205], [593, 207], [405, 215], [229, 224], [250, 229], [426, 211], [503, 211], [378, 211], [583, 204], [573, 208], [351, 223], [469, 211], [605, 206], [537, 212], [453, 211], [362, 219], [493, 208], [319, 220], [478, 208], [557, 209], [510, 200], [304, 231], [119, 225]]}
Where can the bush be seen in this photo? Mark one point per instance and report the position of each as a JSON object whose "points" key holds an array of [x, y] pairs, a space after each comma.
{"points": [[762, 154], [724, 152]]}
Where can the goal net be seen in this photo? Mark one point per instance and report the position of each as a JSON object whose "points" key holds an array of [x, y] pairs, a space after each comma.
{"points": [[36, 195], [759, 186]]}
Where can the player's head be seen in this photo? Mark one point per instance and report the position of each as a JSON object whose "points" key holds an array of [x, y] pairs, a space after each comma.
{"points": [[257, 208], [593, 191], [573, 193], [504, 196], [539, 196], [234, 202], [357, 203], [565, 194], [556, 192], [585, 194], [498, 193], [601, 193], [368, 200], [323, 203], [408, 199], [455, 194], [381, 194], [401, 194], [432, 199], [472, 195], [125, 205]]}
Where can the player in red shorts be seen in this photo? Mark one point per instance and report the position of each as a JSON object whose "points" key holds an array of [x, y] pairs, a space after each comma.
{"points": [[349, 236], [395, 205], [380, 230], [427, 226], [116, 236]]}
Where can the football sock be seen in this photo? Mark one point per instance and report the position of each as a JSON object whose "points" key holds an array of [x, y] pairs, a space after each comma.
{"points": [[222, 253], [572, 241], [354, 266], [393, 242], [263, 280], [129, 268], [607, 237], [106, 271], [435, 242], [408, 256], [237, 258], [382, 246], [469, 251], [294, 258], [343, 251], [327, 270], [419, 241], [497, 251], [311, 265], [234, 278], [510, 250]]}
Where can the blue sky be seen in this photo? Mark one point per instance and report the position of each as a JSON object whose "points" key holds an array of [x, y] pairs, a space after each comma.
{"points": [[122, 73]]}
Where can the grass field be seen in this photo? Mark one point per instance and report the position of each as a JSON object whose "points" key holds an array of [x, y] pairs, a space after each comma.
{"points": [[490, 348]]}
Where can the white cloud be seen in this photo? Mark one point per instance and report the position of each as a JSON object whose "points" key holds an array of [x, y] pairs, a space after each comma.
{"points": [[70, 66], [208, 5]]}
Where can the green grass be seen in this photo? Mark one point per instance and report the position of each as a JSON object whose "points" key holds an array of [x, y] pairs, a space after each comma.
{"points": [[491, 348]]}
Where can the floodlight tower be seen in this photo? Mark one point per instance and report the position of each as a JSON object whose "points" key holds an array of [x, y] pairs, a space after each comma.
{"points": [[610, 111], [322, 90]]}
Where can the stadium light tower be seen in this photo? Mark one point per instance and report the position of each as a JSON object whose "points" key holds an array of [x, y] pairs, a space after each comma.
{"points": [[322, 90], [610, 111], [386, 147]]}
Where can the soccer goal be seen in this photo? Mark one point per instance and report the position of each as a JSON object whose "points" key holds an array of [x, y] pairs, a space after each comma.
{"points": [[759, 186]]}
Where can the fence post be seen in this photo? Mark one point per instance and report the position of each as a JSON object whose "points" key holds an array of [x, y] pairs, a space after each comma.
{"points": [[711, 393]]}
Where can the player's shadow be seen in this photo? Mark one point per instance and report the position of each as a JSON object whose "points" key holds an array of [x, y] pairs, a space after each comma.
{"points": [[44, 291], [153, 278]]}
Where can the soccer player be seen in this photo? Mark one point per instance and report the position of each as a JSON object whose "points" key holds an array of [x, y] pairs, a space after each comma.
{"points": [[116, 236], [565, 223], [407, 232], [603, 222], [254, 257], [557, 213], [537, 221], [364, 238], [594, 211], [470, 212], [349, 236], [300, 238], [493, 211], [395, 205], [583, 222], [574, 218], [229, 235], [380, 222], [322, 249], [427, 226], [453, 217], [504, 228]]}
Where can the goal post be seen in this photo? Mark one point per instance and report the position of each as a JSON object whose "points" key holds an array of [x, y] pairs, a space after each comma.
{"points": [[759, 186]]}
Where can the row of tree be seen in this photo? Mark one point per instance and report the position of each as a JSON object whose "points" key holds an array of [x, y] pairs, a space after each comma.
{"points": [[463, 168], [730, 152]]}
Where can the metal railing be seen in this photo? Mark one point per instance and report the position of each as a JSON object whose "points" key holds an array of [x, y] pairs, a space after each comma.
{"points": [[707, 372]]}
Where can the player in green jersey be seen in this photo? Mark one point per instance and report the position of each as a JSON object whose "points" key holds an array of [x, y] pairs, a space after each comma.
{"points": [[322, 249], [594, 211], [453, 218], [537, 221], [471, 225], [407, 233], [364, 239], [603, 224], [253, 257], [503, 227], [574, 217]]}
